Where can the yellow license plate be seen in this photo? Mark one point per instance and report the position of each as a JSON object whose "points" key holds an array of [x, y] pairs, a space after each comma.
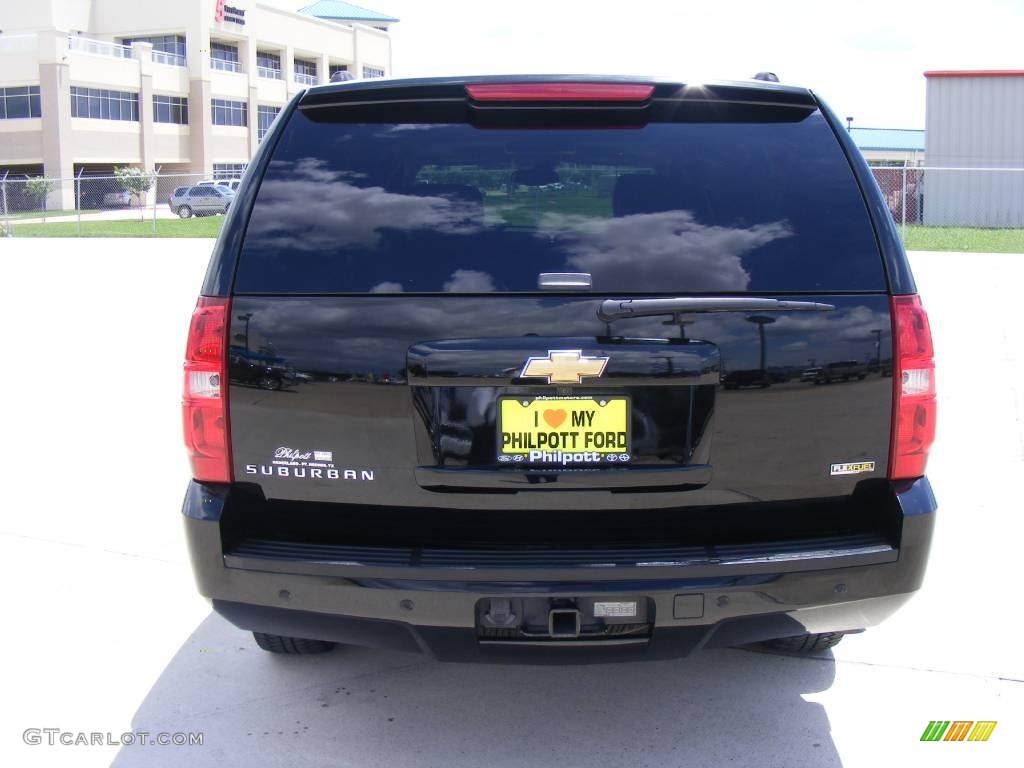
{"points": [[563, 430]]}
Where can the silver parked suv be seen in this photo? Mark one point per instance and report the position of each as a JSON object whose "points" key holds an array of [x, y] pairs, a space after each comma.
{"points": [[201, 200]]}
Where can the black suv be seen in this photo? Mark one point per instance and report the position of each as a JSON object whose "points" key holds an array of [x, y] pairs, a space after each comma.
{"points": [[512, 301], [842, 370]]}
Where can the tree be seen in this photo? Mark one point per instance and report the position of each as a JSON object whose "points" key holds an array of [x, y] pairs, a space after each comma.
{"points": [[39, 188], [137, 181]]}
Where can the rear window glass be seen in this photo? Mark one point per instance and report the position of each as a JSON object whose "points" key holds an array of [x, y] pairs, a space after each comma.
{"points": [[666, 207]]}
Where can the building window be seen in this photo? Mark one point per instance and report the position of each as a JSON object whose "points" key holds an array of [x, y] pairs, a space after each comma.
{"points": [[228, 170], [225, 57], [305, 72], [230, 112], [336, 68], [21, 102], [268, 65], [264, 117], [170, 109], [373, 72], [165, 43], [103, 104], [167, 49]]}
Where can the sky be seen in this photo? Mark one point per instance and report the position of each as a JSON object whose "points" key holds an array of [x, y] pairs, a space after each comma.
{"points": [[866, 58]]}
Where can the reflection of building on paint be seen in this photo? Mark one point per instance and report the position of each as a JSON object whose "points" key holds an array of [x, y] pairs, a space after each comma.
{"points": [[94, 84], [975, 120]]}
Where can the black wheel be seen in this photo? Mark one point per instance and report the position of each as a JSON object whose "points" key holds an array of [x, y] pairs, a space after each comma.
{"points": [[269, 383], [801, 644], [184, 211], [291, 645]]}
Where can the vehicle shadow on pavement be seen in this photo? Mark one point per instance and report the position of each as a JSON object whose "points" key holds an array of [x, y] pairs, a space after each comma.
{"points": [[360, 707]]}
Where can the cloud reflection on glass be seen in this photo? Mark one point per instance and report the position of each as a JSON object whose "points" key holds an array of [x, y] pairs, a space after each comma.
{"points": [[324, 208], [640, 247]]}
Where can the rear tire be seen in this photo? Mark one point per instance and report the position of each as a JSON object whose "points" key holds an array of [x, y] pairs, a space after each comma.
{"points": [[290, 645], [184, 212], [805, 644]]}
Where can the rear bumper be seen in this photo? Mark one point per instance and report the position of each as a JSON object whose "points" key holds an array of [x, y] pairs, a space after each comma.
{"points": [[411, 607]]}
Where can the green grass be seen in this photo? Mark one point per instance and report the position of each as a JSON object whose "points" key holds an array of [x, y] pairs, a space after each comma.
{"points": [[525, 208], [517, 210], [208, 226], [921, 238]]}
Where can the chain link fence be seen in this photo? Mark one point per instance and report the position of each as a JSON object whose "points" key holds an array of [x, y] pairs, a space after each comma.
{"points": [[956, 209], [129, 204], [950, 209]]}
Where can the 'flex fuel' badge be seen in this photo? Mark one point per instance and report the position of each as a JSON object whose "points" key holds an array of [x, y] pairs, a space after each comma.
{"points": [[852, 468]]}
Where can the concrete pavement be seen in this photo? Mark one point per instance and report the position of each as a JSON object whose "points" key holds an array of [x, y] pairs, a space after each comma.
{"points": [[162, 211], [104, 632]]}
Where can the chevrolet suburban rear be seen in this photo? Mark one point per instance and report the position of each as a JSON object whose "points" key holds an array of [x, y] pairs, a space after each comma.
{"points": [[512, 312]]}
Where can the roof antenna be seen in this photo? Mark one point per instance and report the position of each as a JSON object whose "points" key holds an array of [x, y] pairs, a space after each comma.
{"points": [[768, 77]]}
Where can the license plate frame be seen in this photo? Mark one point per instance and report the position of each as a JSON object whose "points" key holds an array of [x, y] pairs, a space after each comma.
{"points": [[584, 452]]}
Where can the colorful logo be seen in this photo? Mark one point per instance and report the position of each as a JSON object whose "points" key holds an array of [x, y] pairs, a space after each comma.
{"points": [[218, 12], [564, 366], [958, 730]]}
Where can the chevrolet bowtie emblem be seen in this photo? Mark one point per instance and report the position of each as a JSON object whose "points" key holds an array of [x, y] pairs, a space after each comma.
{"points": [[563, 366]]}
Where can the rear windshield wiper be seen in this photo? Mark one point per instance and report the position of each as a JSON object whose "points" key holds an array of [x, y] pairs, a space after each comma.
{"points": [[619, 309]]}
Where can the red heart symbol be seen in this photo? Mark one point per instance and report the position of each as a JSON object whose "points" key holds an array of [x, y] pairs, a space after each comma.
{"points": [[554, 418]]}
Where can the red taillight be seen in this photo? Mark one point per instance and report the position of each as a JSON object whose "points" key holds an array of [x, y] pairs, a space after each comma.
{"points": [[914, 407], [204, 403], [560, 92]]}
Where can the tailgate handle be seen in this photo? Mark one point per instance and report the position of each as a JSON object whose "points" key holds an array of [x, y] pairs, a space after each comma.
{"points": [[619, 309]]}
